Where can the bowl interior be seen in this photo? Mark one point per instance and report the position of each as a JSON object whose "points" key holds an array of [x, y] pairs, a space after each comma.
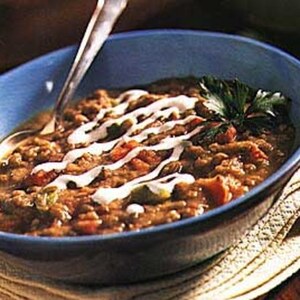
{"points": [[143, 57]]}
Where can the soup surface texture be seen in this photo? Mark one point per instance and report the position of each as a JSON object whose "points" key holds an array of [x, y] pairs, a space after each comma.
{"points": [[131, 159]]}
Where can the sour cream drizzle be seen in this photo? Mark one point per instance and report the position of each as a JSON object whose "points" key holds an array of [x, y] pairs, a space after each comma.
{"points": [[158, 186], [135, 209], [80, 135], [87, 177], [105, 196], [90, 133], [99, 148]]}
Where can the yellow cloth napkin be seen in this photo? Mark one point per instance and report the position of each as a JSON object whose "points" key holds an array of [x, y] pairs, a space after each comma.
{"points": [[263, 258]]}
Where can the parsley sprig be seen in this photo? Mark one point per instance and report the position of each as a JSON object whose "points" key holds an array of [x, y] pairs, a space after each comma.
{"points": [[233, 103]]}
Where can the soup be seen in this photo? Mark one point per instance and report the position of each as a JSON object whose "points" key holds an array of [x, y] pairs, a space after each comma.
{"points": [[128, 160]]}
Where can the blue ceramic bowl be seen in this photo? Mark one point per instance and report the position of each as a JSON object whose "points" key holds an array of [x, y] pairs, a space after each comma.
{"points": [[133, 59]]}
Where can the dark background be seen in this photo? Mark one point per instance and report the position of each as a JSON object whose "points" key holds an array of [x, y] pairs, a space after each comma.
{"points": [[29, 28]]}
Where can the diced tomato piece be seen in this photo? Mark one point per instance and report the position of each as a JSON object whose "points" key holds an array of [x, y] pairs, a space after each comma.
{"points": [[118, 153], [217, 189], [139, 165], [121, 151], [228, 136], [149, 157], [195, 122], [131, 144], [256, 154], [40, 178]]}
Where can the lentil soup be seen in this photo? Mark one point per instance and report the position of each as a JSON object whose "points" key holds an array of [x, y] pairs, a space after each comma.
{"points": [[127, 160]]}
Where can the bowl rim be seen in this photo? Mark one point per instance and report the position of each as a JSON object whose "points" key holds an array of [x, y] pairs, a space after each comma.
{"points": [[291, 163]]}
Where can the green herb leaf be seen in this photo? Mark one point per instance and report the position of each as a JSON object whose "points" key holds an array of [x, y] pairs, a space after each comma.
{"points": [[226, 99], [46, 198], [213, 92], [234, 103], [266, 103]]}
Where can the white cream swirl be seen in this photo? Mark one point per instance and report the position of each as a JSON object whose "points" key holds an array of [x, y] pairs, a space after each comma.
{"points": [[89, 133]]}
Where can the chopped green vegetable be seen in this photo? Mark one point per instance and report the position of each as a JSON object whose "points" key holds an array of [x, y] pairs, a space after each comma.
{"points": [[114, 130], [46, 198], [143, 195]]}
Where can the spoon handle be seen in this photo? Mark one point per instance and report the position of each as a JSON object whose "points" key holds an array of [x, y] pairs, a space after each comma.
{"points": [[98, 29]]}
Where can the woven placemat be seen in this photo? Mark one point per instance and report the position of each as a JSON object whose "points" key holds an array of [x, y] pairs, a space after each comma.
{"points": [[264, 257]]}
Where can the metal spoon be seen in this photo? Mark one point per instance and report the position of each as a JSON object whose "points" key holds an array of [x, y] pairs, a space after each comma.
{"points": [[98, 29]]}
